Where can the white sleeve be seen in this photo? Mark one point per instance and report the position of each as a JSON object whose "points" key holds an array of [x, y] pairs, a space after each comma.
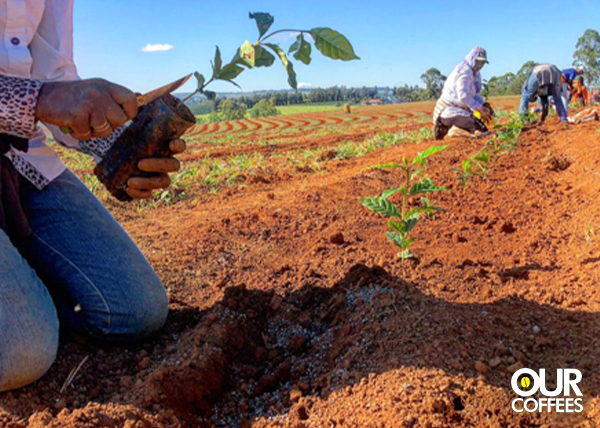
{"points": [[463, 93]]}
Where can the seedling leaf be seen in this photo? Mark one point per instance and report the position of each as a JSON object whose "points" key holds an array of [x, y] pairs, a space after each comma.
{"points": [[289, 67], [381, 206], [301, 49], [385, 165], [425, 185], [201, 80], [263, 22], [333, 44], [391, 192], [218, 62], [420, 158]]}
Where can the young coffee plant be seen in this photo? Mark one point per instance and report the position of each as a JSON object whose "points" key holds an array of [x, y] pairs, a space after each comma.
{"points": [[329, 42], [474, 166], [416, 182], [504, 142]]}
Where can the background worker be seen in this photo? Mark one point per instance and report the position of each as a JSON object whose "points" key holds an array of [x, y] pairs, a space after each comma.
{"points": [[544, 81], [571, 74], [579, 92], [460, 97], [62, 255]]}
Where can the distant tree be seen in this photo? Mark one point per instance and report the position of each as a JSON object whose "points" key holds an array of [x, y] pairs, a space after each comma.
{"points": [[264, 108], [498, 85], [516, 85], [434, 82], [232, 110], [411, 93], [587, 55], [202, 108], [214, 117]]}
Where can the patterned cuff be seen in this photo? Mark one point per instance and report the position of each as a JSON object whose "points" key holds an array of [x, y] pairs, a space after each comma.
{"points": [[99, 146], [18, 98]]}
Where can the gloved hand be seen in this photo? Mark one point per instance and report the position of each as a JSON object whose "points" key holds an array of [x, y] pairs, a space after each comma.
{"points": [[143, 187]]}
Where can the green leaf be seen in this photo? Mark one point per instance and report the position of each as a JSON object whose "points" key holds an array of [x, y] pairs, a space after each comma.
{"points": [[251, 56], [333, 44], [405, 245], [415, 173], [245, 55], [381, 206], [218, 62], [263, 22], [289, 67], [229, 72], [301, 49], [395, 239], [466, 166], [420, 158], [482, 157], [263, 58], [410, 223], [425, 185], [385, 165], [201, 80], [390, 192], [415, 214], [398, 227], [210, 95]]}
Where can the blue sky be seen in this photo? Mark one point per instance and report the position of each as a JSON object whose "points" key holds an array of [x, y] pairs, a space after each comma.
{"points": [[396, 40]]}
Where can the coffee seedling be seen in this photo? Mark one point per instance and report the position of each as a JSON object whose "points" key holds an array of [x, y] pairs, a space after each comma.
{"points": [[474, 166], [329, 42], [416, 182]]}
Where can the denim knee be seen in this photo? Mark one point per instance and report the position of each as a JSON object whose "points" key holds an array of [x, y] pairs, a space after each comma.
{"points": [[149, 314], [137, 315], [24, 358]]}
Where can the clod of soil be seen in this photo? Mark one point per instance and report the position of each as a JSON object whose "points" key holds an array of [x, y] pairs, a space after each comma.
{"points": [[556, 163]]}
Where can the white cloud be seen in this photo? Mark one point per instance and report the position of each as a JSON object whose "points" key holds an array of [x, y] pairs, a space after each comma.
{"points": [[304, 85], [156, 48]]}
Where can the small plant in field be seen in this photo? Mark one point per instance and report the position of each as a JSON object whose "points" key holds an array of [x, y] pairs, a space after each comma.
{"points": [[590, 233], [504, 142], [474, 166], [416, 182], [329, 42]]}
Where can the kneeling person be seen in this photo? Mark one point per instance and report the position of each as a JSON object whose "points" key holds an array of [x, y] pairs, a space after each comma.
{"points": [[460, 98]]}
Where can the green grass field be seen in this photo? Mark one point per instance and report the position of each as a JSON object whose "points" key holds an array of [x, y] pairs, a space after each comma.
{"points": [[307, 108], [292, 109]]}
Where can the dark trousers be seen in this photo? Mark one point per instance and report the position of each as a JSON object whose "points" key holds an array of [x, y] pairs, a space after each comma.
{"points": [[467, 123]]}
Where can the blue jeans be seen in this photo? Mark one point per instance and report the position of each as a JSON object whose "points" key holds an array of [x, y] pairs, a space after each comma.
{"points": [[79, 267], [530, 89]]}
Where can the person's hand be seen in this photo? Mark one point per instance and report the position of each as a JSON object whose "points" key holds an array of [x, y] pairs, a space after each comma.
{"points": [[485, 111], [142, 187], [90, 108]]}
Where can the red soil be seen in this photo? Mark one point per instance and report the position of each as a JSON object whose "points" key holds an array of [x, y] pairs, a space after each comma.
{"points": [[257, 125], [290, 309]]}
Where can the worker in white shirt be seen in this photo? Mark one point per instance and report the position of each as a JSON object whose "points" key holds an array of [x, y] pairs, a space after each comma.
{"points": [[460, 98], [63, 258]]}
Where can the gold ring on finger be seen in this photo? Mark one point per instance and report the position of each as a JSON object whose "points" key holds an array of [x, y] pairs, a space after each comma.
{"points": [[82, 137], [102, 128]]}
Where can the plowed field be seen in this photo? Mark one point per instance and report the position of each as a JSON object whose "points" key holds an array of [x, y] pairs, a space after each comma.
{"points": [[289, 308]]}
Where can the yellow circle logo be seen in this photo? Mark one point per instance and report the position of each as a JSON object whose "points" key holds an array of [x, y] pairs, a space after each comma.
{"points": [[525, 382]]}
